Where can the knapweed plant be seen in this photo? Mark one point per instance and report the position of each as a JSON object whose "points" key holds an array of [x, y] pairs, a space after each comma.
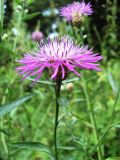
{"points": [[59, 56]]}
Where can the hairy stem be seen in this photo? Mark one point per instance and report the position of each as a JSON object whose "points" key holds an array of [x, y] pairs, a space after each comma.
{"points": [[57, 93], [73, 30]]}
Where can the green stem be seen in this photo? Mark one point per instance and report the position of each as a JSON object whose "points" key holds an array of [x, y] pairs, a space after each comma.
{"points": [[92, 119], [1, 17], [110, 125], [73, 30], [57, 93], [18, 26], [77, 33], [20, 18], [1, 125]]}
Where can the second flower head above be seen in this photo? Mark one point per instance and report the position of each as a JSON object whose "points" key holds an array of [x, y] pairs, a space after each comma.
{"points": [[76, 11]]}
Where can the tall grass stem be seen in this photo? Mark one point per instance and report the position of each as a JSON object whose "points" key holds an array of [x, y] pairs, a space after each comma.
{"points": [[92, 119]]}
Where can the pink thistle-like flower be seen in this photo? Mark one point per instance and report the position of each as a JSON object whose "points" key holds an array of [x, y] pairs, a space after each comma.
{"points": [[76, 10], [60, 56], [37, 36]]}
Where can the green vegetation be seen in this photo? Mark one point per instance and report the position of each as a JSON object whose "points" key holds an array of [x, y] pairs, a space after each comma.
{"points": [[26, 132]]}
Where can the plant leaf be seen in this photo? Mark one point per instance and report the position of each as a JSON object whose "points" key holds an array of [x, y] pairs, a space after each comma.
{"points": [[3, 131], [34, 146], [51, 82], [113, 158], [12, 105], [68, 148], [70, 80], [42, 82], [112, 83], [30, 16]]}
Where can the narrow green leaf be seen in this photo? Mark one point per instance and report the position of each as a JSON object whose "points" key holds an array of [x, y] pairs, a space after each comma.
{"points": [[70, 148], [12, 105], [3, 131], [34, 146], [70, 80], [113, 158], [53, 83], [30, 16], [41, 81], [112, 83], [104, 134]]}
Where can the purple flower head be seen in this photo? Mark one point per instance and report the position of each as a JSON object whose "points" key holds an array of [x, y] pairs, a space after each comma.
{"points": [[76, 10], [37, 36], [60, 56]]}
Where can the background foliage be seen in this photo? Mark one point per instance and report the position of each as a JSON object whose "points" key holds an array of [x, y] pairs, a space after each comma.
{"points": [[34, 120]]}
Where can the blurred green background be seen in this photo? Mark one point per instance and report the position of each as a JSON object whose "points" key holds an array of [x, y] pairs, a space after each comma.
{"points": [[34, 120]]}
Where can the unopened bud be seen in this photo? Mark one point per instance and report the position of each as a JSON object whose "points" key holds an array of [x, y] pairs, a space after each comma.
{"points": [[37, 36], [77, 19], [69, 86]]}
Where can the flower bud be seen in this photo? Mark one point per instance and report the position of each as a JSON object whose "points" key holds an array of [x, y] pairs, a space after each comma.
{"points": [[37, 36], [69, 86]]}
